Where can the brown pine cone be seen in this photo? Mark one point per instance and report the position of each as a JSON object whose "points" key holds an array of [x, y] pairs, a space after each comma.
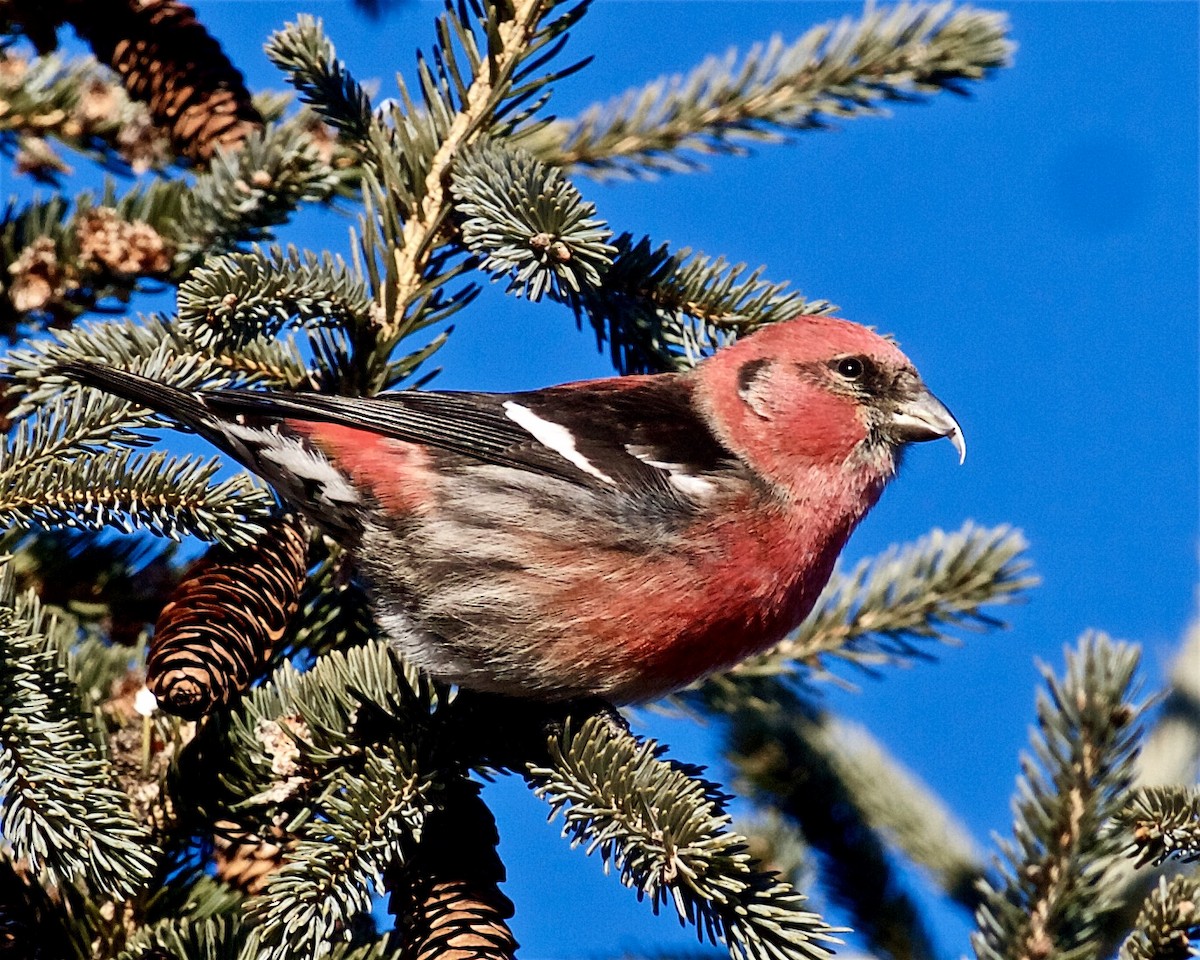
{"points": [[217, 632], [245, 859], [446, 898], [165, 57]]}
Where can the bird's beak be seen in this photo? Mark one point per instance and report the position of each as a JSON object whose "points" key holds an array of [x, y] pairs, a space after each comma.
{"points": [[924, 417]]}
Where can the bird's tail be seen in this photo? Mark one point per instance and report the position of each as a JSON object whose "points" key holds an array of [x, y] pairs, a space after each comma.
{"points": [[186, 407], [244, 425]]}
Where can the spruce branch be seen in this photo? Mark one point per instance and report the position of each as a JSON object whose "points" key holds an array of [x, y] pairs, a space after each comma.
{"points": [[133, 344], [668, 836], [1169, 756], [303, 52], [380, 238], [529, 223], [225, 937], [58, 262], [478, 81], [1168, 925], [274, 363], [789, 758], [369, 818], [1054, 888], [339, 752], [64, 429], [887, 608], [22, 227], [170, 496], [288, 729], [112, 588], [212, 938], [152, 346], [403, 368], [79, 104], [1161, 823], [71, 420], [60, 811], [103, 482], [466, 95], [64, 262], [660, 310], [33, 242], [154, 204], [95, 667], [839, 70], [245, 193], [894, 802], [194, 896], [236, 298]]}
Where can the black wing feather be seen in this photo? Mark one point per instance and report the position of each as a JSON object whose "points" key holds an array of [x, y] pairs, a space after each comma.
{"points": [[473, 425], [608, 420], [617, 425]]}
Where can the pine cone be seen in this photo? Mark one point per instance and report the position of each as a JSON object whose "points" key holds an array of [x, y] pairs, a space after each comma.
{"points": [[217, 633], [39, 20], [245, 859], [165, 57], [446, 898]]}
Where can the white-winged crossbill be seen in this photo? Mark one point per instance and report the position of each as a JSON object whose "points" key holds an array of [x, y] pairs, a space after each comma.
{"points": [[619, 538]]}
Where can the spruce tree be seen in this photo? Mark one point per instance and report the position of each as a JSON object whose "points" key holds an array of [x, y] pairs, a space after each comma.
{"points": [[290, 767]]}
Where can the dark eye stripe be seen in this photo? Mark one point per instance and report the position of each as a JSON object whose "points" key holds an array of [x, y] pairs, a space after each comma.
{"points": [[750, 371]]}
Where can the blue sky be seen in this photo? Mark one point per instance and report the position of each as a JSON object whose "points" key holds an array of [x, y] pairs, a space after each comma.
{"points": [[1034, 249]]}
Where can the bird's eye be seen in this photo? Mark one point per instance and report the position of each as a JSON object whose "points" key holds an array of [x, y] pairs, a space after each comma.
{"points": [[852, 368]]}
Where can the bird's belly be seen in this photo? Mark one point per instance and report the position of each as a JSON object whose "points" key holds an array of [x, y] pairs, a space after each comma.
{"points": [[662, 634], [609, 623]]}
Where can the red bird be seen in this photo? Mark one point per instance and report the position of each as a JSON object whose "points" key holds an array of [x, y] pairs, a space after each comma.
{"points": [[620, 537]]}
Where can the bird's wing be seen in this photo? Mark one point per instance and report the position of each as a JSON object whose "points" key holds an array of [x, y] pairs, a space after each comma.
{"points": [[630, 434], [633, 433]]}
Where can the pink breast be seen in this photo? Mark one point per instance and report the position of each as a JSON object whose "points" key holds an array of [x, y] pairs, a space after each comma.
{"points": [[681, 617]]}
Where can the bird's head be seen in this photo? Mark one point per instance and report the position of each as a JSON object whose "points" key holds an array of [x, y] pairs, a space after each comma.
{"points": [[821, 392]]}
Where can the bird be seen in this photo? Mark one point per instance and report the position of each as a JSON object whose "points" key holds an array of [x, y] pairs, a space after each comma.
{"points": [[619, 538]]}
